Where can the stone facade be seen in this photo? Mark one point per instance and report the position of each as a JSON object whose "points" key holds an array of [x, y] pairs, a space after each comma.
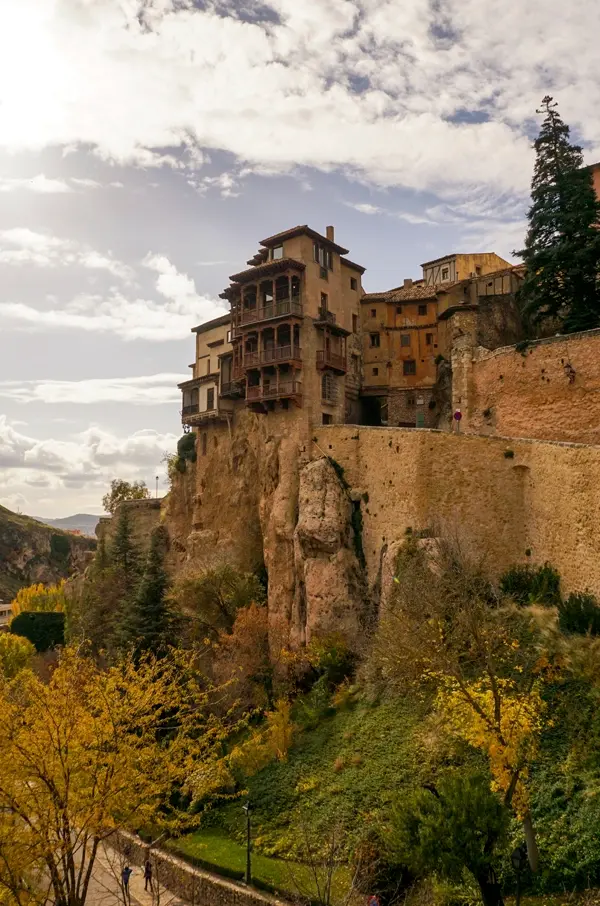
{"points": [[144, 516]]}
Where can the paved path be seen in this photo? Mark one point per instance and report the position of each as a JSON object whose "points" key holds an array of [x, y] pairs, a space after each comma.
{"points": [[105, 887]]}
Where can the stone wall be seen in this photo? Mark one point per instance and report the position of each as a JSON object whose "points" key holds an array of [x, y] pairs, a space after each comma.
{"points": [[548, 390], [411, 408], [144, 516], [193, 885], [511, 501]]}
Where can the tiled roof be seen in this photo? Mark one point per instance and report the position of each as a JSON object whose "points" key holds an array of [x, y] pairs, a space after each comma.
{"points": [[216, 322], [298, 231], [403, 294], [263, 270]]}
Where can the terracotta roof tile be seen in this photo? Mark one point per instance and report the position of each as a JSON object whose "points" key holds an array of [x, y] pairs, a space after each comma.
{"points": [[269, 267], [403, 294]]}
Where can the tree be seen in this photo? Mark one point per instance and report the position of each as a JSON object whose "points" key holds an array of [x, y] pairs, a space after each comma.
{"points": [[150, 621], [16, 653], [120, 491], [93, 751], [243, 656], [123, 555], [562, 247], [455, 826], [44, 630], [484, 658], [213, 598], [45, 598]]}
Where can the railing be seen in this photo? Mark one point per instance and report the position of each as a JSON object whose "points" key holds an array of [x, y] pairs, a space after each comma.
{"points": [[272, 310], [273, 354], [325, 315], [233, 386], [332, 359], [190, 410], [274, 391]]}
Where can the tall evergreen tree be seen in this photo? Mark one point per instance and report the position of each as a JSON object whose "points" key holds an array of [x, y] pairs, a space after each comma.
{"points": [[123, 552], [562, 247], [150, 623]]}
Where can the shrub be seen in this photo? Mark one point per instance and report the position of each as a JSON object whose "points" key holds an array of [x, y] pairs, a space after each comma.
{"points": [[532, 585], [59, 548], [44, 630], [580, 614], [186, 447]]}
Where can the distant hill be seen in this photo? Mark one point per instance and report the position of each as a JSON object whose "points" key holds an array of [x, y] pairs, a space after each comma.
{"points": [[31, 551], [82, 522]]}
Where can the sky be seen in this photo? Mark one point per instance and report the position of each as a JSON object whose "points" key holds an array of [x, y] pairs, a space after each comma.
{"points": [[147, 146]]}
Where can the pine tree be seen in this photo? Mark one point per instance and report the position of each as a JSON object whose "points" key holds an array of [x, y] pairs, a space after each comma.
{"points": [[123, 552], [150, 623], [562, 247]]}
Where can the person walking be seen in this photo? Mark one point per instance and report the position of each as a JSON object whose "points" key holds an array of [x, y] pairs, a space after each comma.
{"points": [[148, 875], [373, 900], [125, 875]]}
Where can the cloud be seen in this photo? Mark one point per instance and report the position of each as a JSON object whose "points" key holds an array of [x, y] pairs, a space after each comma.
{"points": [[170, 318], [86, 183], [421, 94], [22, 246], [365, 208], [40, 183], [147, 390]]}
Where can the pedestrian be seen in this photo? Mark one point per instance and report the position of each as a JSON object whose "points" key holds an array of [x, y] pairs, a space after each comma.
{"points": [[125, 875], [373, 900], [148, 875]]}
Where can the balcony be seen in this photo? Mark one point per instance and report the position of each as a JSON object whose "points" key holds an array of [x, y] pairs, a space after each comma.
{"points": [[327, 320], [271, 355], [325, 317], [334, 360], [194, 416], [274, 391], [281, 309], [233, 389]]}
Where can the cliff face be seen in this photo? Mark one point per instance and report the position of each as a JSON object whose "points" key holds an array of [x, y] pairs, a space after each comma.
{"points": [[32, 552]]}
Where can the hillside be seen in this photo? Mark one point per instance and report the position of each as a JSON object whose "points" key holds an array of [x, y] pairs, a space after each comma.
{"points": [[81, 522], [32, 552]]}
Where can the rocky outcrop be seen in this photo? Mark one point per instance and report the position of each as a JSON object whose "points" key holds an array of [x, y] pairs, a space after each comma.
{"points": [[31, 552]]}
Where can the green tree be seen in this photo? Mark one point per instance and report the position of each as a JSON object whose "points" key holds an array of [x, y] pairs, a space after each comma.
{"points": [[123, 554], [213, 598], [150, 623], [121, 490], [458, 825], [562, 247]]}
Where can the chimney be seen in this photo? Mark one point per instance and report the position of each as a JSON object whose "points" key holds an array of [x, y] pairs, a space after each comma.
{"points": [[407, 282], [329, 232]]}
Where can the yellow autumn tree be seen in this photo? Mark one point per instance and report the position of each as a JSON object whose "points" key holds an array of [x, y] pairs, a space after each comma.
{"points": [[446, 632], [16, 653], [93, 751], [46, 598]]}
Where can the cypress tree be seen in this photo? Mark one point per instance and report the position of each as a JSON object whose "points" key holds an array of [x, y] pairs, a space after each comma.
{"points": [[562, 247], [150, 624], [123, 552]]}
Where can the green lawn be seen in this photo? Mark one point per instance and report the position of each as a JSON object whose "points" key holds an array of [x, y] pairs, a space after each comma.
{"points": [[217, 852]]}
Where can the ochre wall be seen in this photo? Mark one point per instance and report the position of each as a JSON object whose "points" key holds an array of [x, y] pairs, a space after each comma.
{"points": [[545, 498], [530, 393]]}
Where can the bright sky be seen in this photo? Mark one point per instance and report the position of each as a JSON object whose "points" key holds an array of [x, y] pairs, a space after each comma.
{"points": [[147, 145]]}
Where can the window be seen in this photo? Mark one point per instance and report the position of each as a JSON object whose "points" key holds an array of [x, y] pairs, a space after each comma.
{"points": [[208, 365], [354, 323], [327, 418], [398, 309], [353, 283], [409, 367], [422, 309], [323, 256], [375, 372], [373, 312], [210, 398], [324, 301], [277, 252], [374, 340], [328, 388], [429, 339], [405, 339], [445, 273], [410, 400], [229, 336], [478, 271], [204, 443]]}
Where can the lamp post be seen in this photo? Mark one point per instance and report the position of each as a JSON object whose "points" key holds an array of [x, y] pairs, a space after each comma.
{"points": [[157, 485], [519, 861], [248, 877]]}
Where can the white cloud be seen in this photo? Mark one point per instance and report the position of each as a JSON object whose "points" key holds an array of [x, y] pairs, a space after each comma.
{"points": [[365, 208], [280, 94], [147, 390], [86, 183], [40, 184], [171, 318], [22, 246]]}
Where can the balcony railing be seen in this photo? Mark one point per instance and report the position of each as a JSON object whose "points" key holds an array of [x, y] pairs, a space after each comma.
{"points": [[327, 359], [273, 354], [190, 410], [325, 316], [274, 391], [270, 311], [193, 415], [232, 388]]}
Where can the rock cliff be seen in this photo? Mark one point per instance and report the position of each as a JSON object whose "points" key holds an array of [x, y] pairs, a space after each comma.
{"points": [[32, 552]]}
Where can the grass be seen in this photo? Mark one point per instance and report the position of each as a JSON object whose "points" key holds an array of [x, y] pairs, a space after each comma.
{"points": [[212, 849]]}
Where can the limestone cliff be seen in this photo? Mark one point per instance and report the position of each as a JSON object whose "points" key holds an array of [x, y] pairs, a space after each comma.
{"points": [[32, 552]]}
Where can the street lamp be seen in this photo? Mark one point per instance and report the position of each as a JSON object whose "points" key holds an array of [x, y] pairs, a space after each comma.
{"points": [[519, 861], [248, 877]]}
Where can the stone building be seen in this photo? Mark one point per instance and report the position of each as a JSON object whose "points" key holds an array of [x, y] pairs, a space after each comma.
{"points": [[202, 400]]}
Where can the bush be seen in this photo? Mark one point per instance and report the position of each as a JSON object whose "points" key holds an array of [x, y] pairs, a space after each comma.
{"points": [[580, 613], [532, 585], [44, 630], [186, 447], [60, 548]]}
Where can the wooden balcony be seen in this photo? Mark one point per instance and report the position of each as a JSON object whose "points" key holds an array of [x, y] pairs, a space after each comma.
{"points": [[274, 391], [233, 389], [333, 360], [193, 416], [281, 309], [272, 355], [327, 320]]}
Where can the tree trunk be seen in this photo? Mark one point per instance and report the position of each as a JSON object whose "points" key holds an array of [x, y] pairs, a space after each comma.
{"points": [[533, 854], [491, 890]]}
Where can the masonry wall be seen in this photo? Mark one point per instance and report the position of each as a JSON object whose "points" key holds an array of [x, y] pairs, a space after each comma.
{"points": [[144, 517], [549, 390], [511, 501]]}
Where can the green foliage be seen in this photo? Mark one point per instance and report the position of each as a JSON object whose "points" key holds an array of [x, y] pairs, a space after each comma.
{"points": [[562, 247], [457, 825], [123, 553], [121, 490], [532, 585], [60, 548], [44, 630], [16, 653], [579, 613], [186, 447], [212, 598]]}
